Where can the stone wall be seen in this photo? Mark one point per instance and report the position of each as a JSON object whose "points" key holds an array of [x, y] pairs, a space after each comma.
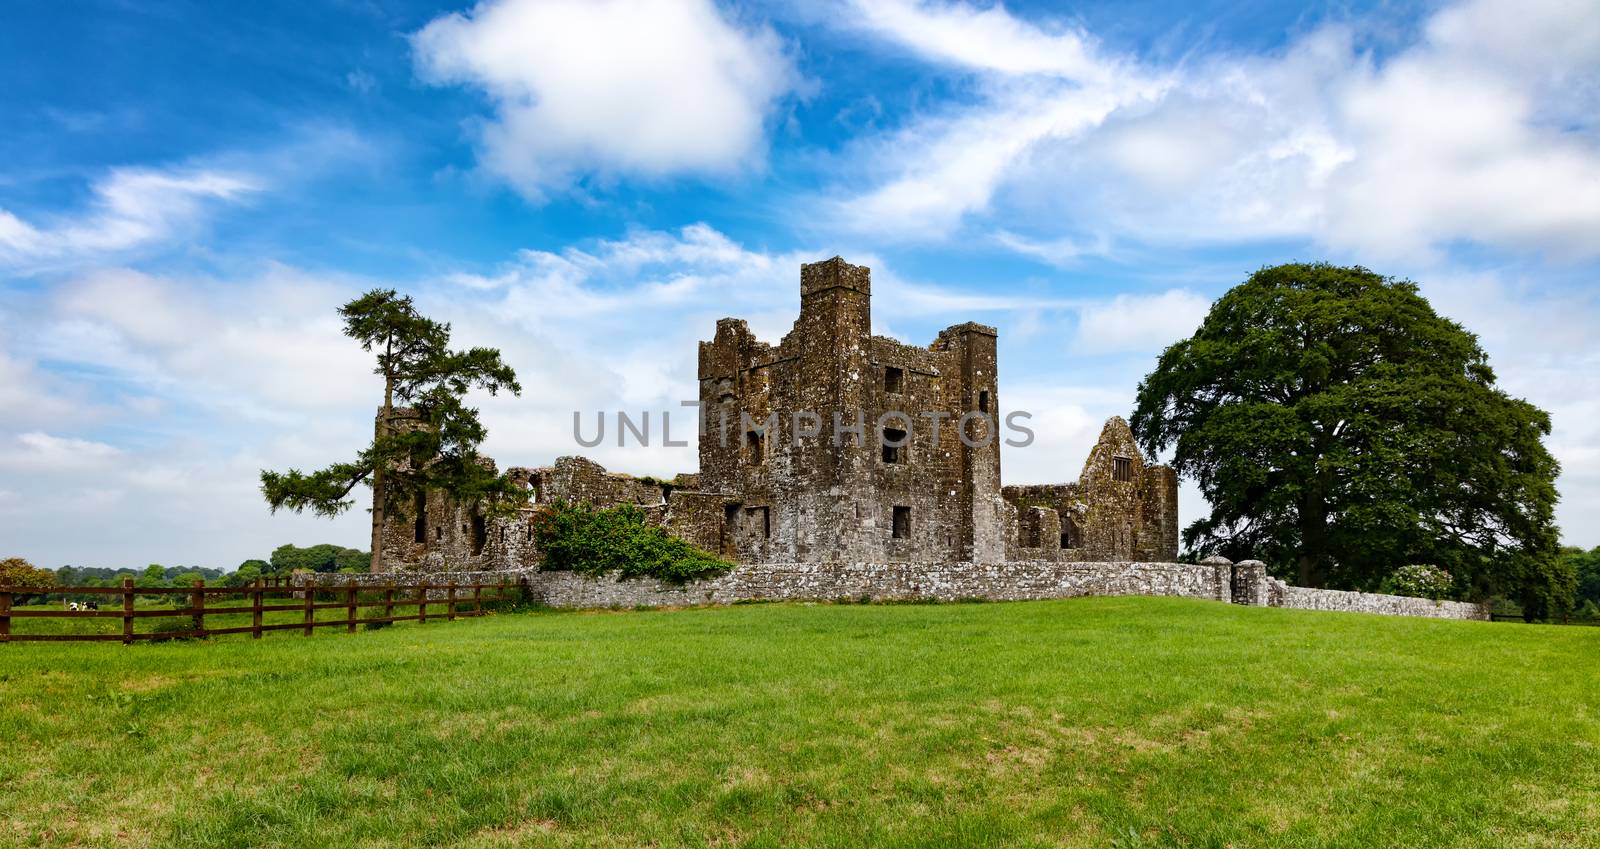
{"points": [[1303, 598], [1009, 581]]}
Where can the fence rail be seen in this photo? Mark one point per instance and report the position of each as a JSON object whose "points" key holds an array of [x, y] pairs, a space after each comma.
{"points": [[355, 599]]}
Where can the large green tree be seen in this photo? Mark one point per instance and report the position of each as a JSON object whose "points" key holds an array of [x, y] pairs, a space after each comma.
{"points": [[433, 447], [1341, 428], [325, 557], [1586, 568]]}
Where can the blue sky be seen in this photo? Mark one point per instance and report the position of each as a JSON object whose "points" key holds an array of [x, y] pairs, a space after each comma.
{"points": [[188, 190]]}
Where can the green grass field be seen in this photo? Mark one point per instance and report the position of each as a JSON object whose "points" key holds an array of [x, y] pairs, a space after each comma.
{"points": [[1087, 722]]}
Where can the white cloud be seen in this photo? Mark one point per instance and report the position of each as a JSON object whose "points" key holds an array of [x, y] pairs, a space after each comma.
{"points": [[1482, 130], [1139, 323], [609, 87], [131, 208]]}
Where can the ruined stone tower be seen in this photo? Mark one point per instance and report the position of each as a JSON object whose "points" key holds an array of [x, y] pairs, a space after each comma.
{"points": [[844, 445]]}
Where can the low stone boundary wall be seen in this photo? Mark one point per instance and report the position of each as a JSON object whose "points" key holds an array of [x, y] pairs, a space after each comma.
{"points": [[1303, 598], [1216, 579]]}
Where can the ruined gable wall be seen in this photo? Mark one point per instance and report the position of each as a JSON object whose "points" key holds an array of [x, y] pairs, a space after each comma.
{"points": [[1110, 514]]}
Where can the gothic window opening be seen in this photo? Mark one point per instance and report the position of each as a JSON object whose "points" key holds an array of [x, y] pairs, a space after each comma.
{"points": [[894, 379], [902, 522], [1121, 469], [894, 448]]}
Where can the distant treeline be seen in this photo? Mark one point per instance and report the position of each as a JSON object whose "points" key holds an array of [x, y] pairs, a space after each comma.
{"points": [[285, 559]]}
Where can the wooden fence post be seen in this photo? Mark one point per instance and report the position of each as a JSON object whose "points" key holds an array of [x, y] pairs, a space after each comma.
{"points": [[350, 605], [5, 617], [450, 612], [311, 614], [477, 599], [127, 611], [388, 602], [422, 603], [197, 601], [255, 614]]}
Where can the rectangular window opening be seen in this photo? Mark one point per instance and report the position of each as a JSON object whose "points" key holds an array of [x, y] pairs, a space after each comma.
{"points": [[983, 401], [759, 519], [894, 447], [754, 444], [420, 526], [1121, 469], [894, 379], [480, 534], [902, 522]]}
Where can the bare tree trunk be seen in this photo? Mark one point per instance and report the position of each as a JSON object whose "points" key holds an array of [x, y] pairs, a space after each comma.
{"points": [[1313, 526]]}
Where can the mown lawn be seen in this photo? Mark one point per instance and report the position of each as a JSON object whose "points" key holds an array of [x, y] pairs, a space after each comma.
{"points": [[1087, 722]]}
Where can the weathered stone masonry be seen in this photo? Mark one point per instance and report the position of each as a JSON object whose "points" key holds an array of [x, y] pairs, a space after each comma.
{"points": [[836, 445], [1243, 583]]}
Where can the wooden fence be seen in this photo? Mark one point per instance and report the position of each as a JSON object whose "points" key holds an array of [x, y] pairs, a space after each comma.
{"points": [[350, 598]]}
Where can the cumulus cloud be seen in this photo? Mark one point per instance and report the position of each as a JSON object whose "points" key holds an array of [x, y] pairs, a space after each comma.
{"points": [[586, 88], [1482, 130], [130, 208]]}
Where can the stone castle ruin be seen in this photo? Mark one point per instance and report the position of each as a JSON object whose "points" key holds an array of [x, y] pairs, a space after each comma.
{"points": [[837, 446]]}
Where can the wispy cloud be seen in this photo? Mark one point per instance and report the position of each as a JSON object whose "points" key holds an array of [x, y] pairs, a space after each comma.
{"points": [[130, 208]]}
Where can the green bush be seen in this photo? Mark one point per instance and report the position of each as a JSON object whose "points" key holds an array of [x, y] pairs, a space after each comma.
{"points": [[617, 540], [1419, 581]]}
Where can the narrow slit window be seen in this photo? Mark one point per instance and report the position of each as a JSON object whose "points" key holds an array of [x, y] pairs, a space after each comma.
{"points": [[755, 444], [420, 526], [479, 534], [894, 379], [894, 445], [983, 401], [1122, 469], [902, 522]]}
